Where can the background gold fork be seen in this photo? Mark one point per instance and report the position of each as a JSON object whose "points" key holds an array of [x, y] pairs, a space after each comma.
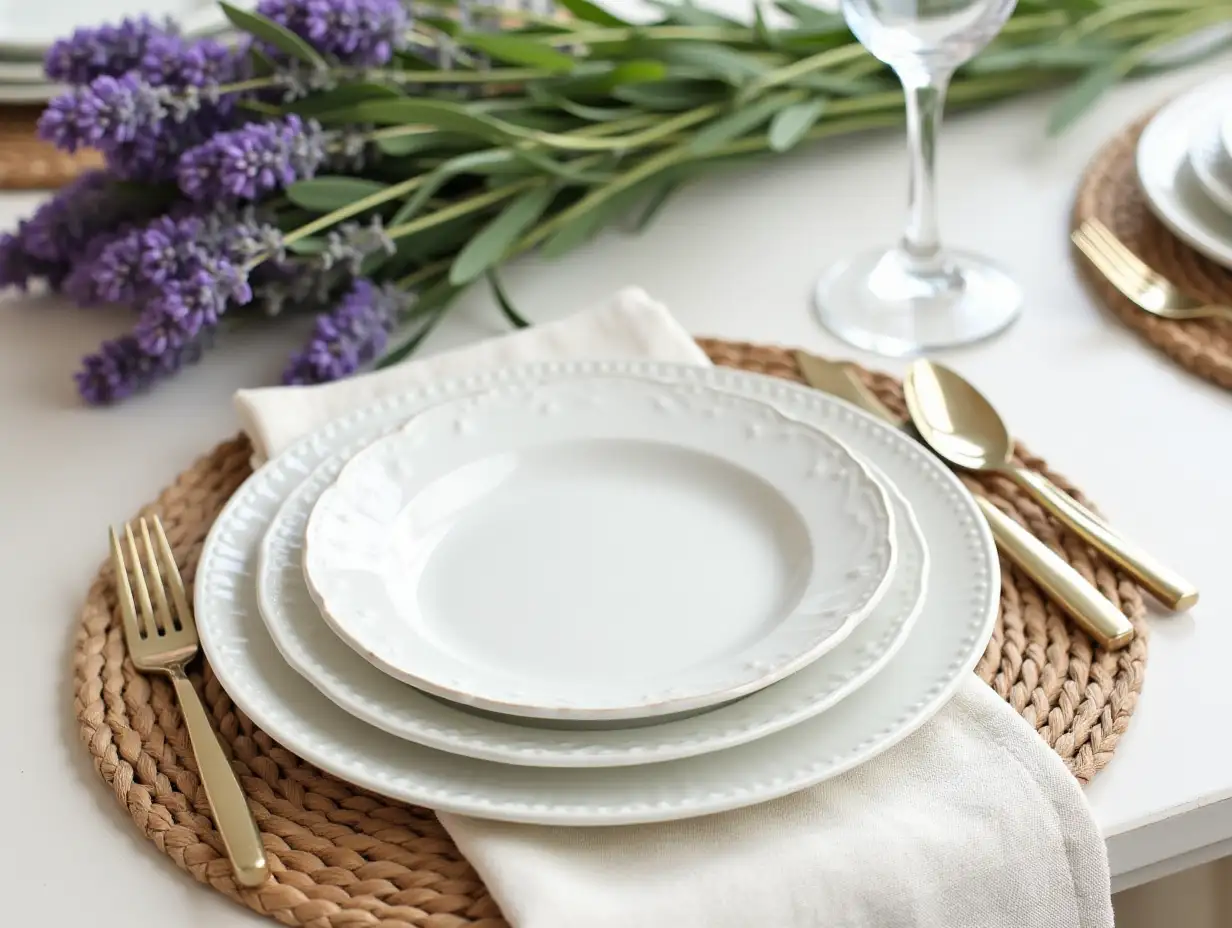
{"points": [[1144, 286], [162, 640]]}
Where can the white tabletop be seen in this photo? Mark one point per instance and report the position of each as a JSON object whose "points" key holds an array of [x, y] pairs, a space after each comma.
{"points": [[734, 256]]}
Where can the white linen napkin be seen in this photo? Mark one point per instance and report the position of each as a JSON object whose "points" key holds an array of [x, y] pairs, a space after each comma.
{"points": [[972, 822]]}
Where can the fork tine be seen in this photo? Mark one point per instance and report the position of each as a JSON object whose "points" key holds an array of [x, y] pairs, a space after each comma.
{"points": [[143, 593], [1119, 250], [133, 630], [163, 611], [183, 617], [1115, 273]]}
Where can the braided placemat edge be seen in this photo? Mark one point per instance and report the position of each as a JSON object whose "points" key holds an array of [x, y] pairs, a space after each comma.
{"points": [[341, 856]]}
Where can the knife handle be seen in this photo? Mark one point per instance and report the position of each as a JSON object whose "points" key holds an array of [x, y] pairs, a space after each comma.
{"points": [[1096, 614], [1171, 589]]}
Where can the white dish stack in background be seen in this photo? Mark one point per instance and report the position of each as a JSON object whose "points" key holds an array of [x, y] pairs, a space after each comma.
{"points": [[1185, 168], [498, 595]]}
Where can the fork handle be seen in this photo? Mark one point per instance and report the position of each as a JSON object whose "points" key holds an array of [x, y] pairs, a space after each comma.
{"points": [[1171, 589], [235, 822]]}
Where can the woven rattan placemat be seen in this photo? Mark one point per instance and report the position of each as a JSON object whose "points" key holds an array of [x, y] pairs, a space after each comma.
{"points": [[341, 856], [1110, 192], [29, 163]]}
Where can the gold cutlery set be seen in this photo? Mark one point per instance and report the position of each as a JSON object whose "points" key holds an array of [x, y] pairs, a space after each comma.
{"points": [[950, 417]]}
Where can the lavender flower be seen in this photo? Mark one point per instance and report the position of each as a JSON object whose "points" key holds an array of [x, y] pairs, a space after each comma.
{"points": [[121, 368], [248, 162], [106, 113], [350, 243], [67, 231], [170, 61], [363, 33], [352, 335], [106, 50]]}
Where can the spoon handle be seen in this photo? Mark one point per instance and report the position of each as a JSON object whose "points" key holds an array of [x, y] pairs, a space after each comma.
{"points": [[1171, 589], [1064, 585]]}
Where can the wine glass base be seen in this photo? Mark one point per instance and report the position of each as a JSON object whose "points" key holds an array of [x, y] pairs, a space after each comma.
{"points": [[879, 302]]}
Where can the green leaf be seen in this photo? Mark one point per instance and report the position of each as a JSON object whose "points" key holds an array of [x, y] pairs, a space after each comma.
{"points": [[328, 193], [735, 124], [841, 86], [437, 298], [765, 34], [446, 24], [1068, 55], [307, 246], [670, 95], [1080, 96], [487, 248], [593, 113], [658, 198], [282, 38], [340, 97], [686, 14], [585, 226], [808, 15], [591, 13], [515, 49], [422, 141], [714, 60], [793, 122], [603, 81], [506, 305], [259, 62], [441, 114]]}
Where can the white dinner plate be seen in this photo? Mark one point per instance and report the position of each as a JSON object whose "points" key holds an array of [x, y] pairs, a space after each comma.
{"points": [[949, 636], [1172, 190], [29, 93], [1212, 165], [598, 548], [310, 647], [28, 29]]}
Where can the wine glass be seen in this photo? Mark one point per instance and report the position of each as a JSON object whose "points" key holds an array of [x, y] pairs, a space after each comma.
{"points": [[917, 296]]}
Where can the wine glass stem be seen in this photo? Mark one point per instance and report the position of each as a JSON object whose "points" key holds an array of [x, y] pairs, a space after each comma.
{"points": [[921, 243]]}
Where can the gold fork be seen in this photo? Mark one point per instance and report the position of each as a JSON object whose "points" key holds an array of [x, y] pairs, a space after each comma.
{"points": [[1145, 287], [163, 641]]}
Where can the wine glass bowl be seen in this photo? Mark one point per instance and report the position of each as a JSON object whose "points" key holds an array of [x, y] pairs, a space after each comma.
{"points": [[917, 296]]}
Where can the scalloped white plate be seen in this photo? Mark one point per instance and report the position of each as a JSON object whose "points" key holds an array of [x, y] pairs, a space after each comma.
{"points": [[949, 636], [313, 650], [598, 549], [1212, 165]]}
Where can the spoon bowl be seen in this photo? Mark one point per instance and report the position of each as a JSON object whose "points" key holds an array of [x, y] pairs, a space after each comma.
{"points": [[955, 419]]}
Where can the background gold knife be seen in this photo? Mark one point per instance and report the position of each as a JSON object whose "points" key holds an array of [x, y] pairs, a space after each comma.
{"points": [[1096, 614]]}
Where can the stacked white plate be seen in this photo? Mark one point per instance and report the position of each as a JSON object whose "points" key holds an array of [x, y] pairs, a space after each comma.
{"points": [[1185, 168], [597, 592], [28, 30]]}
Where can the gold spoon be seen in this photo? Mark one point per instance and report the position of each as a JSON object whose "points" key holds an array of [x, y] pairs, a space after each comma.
{"points": [[960, 425]]}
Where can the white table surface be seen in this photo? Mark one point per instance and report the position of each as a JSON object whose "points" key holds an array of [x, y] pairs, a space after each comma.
{"points": [[733, 256]]}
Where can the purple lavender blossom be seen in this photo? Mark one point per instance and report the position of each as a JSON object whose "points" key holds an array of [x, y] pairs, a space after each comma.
{"points": [[106, 50], [121, 368], [171, 61], [363, 33], [107, 112], [353, 334], [67, 231], [251, 161]]}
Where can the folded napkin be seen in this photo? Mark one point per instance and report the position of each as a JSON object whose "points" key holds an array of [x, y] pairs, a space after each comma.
{"points": [[972, 822]]}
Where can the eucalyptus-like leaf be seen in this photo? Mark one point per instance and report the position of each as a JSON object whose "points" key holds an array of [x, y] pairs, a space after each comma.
{"points": [[340, 97], [840, 85], [441, 114], [516, 319], [591, 113], [487, 248], [762, 29], [737, 123], [600, 82], [1057, 55], [518, 49], [275, 34], [260, 64], [656, 201], [328, 193], [713, 60], [792, 123], [1079, 97], [307, 246], [686, 14], [422, 140], [670, 95], [592, 13], [806, 14]]}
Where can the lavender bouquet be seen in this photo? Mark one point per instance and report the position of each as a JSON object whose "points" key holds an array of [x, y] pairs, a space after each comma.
{"points": [[365, 160]]}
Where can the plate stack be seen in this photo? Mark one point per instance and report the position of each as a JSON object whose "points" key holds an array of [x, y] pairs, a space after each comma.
{"points": [[28, 30], [1184, 164], [597, 592]]}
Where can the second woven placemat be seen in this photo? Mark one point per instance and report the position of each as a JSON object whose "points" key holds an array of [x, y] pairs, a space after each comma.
{"points": [[1110, 192], [341, 857]]}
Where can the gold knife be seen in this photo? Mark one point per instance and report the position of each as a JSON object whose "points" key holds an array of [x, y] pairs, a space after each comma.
{"points": [[1095, 613]]}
